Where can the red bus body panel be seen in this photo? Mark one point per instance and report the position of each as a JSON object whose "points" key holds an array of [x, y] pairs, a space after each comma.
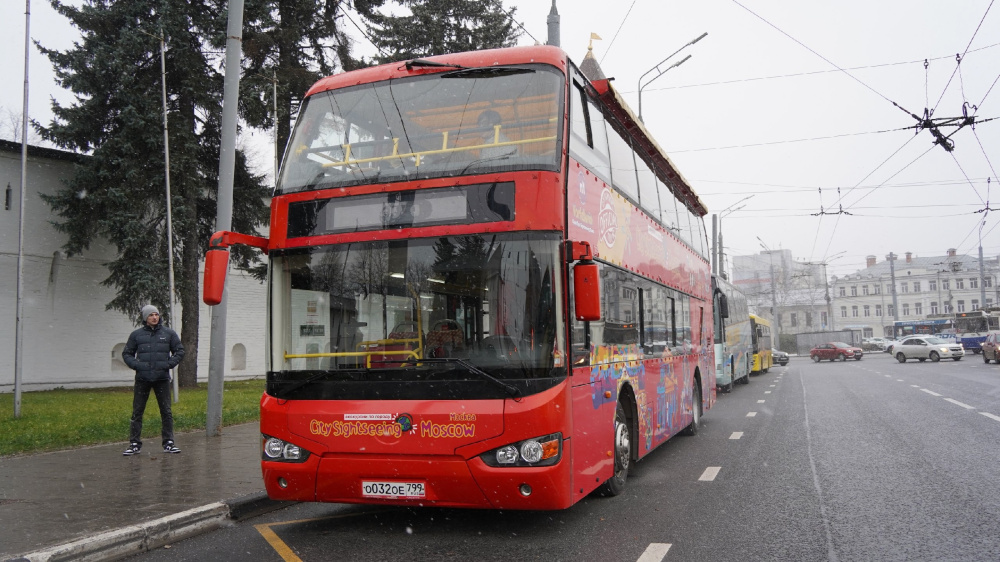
{"points": [[439, 446]]}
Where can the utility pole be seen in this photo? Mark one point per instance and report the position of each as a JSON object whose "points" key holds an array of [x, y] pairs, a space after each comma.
{"points": [[892, 276], [224, 210], [715, 246], [982, 277]]}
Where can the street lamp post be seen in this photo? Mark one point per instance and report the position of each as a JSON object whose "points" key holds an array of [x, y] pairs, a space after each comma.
{"points": [[661, 72], [774, 297], [718, 254], [166, 175]]}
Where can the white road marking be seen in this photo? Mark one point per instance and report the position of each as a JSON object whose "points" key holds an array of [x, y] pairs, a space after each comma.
{"points": [[760, 401], [900, 380], [915, 385], [957, 403], [710, 474], [751, 414], [888, 376], [654, 552], [736, 435], [772, 386], [931, 392], [991, 416], [767, 392]]}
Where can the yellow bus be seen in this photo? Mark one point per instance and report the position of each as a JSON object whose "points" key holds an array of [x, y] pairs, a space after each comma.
{"points": [[760, 328]]}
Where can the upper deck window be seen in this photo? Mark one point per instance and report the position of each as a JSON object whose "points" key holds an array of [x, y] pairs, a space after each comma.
{"points": [[453, 123]]}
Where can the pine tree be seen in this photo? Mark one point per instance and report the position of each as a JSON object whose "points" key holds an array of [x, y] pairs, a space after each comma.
{"points": [[438, 27], [117, 193], [296, 42]]}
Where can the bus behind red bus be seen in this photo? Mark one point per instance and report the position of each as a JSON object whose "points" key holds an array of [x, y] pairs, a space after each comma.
{"points": [[487, 288]]}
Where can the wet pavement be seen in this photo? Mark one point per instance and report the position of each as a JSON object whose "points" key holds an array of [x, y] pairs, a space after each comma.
{"points": [[55, 498]]}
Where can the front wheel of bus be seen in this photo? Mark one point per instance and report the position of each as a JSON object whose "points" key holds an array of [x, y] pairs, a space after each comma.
{"points": [[623, 455], [695, 425]]}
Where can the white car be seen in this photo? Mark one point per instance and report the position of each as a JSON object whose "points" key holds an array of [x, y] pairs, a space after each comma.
{"points": [[923, 348]]}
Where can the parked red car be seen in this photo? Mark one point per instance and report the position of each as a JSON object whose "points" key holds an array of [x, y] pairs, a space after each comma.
{"points": [[835, 351]]}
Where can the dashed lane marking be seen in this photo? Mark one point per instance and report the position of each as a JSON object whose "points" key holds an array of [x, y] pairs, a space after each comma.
{"points": [[931, 392], [767, 392], [760, 401], [915, 385], [957, 403], [991, 416], [709, 474], [654, 552], [751, 414], [900, 380], [736, 435]]}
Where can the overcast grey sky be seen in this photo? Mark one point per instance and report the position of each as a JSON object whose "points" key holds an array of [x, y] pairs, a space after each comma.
{"points": [[788, 103]]}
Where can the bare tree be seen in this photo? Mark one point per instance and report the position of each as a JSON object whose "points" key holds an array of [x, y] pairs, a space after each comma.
{"points": [[10, 127]]}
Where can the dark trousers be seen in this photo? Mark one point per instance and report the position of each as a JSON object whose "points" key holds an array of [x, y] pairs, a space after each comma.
{"points": [[139, 399]]}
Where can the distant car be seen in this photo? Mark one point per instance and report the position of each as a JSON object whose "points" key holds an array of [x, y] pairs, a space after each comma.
{"points": [[888, 345], [873, 344], [835, 351], [923, 348], [991, 347], [779, 357]]}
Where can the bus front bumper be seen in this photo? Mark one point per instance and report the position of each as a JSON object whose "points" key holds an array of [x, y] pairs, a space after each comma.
{"points": [[443, 481]]}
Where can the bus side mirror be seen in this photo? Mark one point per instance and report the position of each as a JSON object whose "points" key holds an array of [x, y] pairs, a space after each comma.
{"points": [[723, 306], [216, 265], [587, 292]]}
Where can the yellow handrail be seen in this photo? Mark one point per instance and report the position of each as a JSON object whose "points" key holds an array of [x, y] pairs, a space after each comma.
{"points": [[418, 155]]}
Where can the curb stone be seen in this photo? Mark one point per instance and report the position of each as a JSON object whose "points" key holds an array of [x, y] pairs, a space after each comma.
{"points": [[143, 537]]}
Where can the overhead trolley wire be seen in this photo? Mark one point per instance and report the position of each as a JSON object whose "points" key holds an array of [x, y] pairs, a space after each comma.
{"points": [[622, 24], [960, 58], [800, 74], [828, 61]]}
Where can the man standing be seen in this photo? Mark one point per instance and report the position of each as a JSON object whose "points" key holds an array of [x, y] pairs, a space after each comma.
{"points": [[152, 351]]}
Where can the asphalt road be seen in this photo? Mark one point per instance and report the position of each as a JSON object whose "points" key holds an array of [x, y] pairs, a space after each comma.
{"points": [[861, 460]]}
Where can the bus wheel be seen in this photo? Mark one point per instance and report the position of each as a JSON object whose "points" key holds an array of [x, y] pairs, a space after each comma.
{"points": [[695, 425], [727, 388], [623, 455]]}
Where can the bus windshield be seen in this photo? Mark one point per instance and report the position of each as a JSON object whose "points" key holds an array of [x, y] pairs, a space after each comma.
{"points": [[446, 124], [472, 307]]}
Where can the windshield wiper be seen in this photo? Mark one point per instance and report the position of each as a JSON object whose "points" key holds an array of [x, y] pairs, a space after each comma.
{"points": [[487, 71], [288, 390], [514, 392], [425, 63]]}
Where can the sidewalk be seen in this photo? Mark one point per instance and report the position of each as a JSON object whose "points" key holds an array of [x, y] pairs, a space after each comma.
{"points": [[108, 505]]}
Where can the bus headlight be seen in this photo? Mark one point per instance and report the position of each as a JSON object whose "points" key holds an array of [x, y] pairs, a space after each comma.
{"points": [[274, 449], [537, 451]]}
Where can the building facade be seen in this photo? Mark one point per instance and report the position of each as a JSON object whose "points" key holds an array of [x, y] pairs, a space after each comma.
{"points": [[922, 287], [794, 295], [68, 338]]}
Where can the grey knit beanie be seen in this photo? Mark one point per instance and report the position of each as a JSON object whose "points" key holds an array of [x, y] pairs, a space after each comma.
{"points": [[147, 310]]}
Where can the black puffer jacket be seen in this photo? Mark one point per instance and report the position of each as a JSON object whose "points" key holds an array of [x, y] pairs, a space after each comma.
{"points": [[151, 351]]}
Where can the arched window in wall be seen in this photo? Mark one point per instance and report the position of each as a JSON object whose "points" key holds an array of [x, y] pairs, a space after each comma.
{"points": [[239, 359], [117, 365]]}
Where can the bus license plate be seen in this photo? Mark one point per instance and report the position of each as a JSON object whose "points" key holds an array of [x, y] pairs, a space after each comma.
{"points": [[392, 489]]}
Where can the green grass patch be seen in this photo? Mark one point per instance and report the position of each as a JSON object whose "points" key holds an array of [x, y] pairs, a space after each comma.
{"points": [[61, 418]]}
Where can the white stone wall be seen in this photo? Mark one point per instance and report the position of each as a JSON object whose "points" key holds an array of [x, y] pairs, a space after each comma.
{"points": [[69, 339]]}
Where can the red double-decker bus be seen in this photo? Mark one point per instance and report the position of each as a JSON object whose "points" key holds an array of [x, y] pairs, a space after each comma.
{"points": [[487, 288]]}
